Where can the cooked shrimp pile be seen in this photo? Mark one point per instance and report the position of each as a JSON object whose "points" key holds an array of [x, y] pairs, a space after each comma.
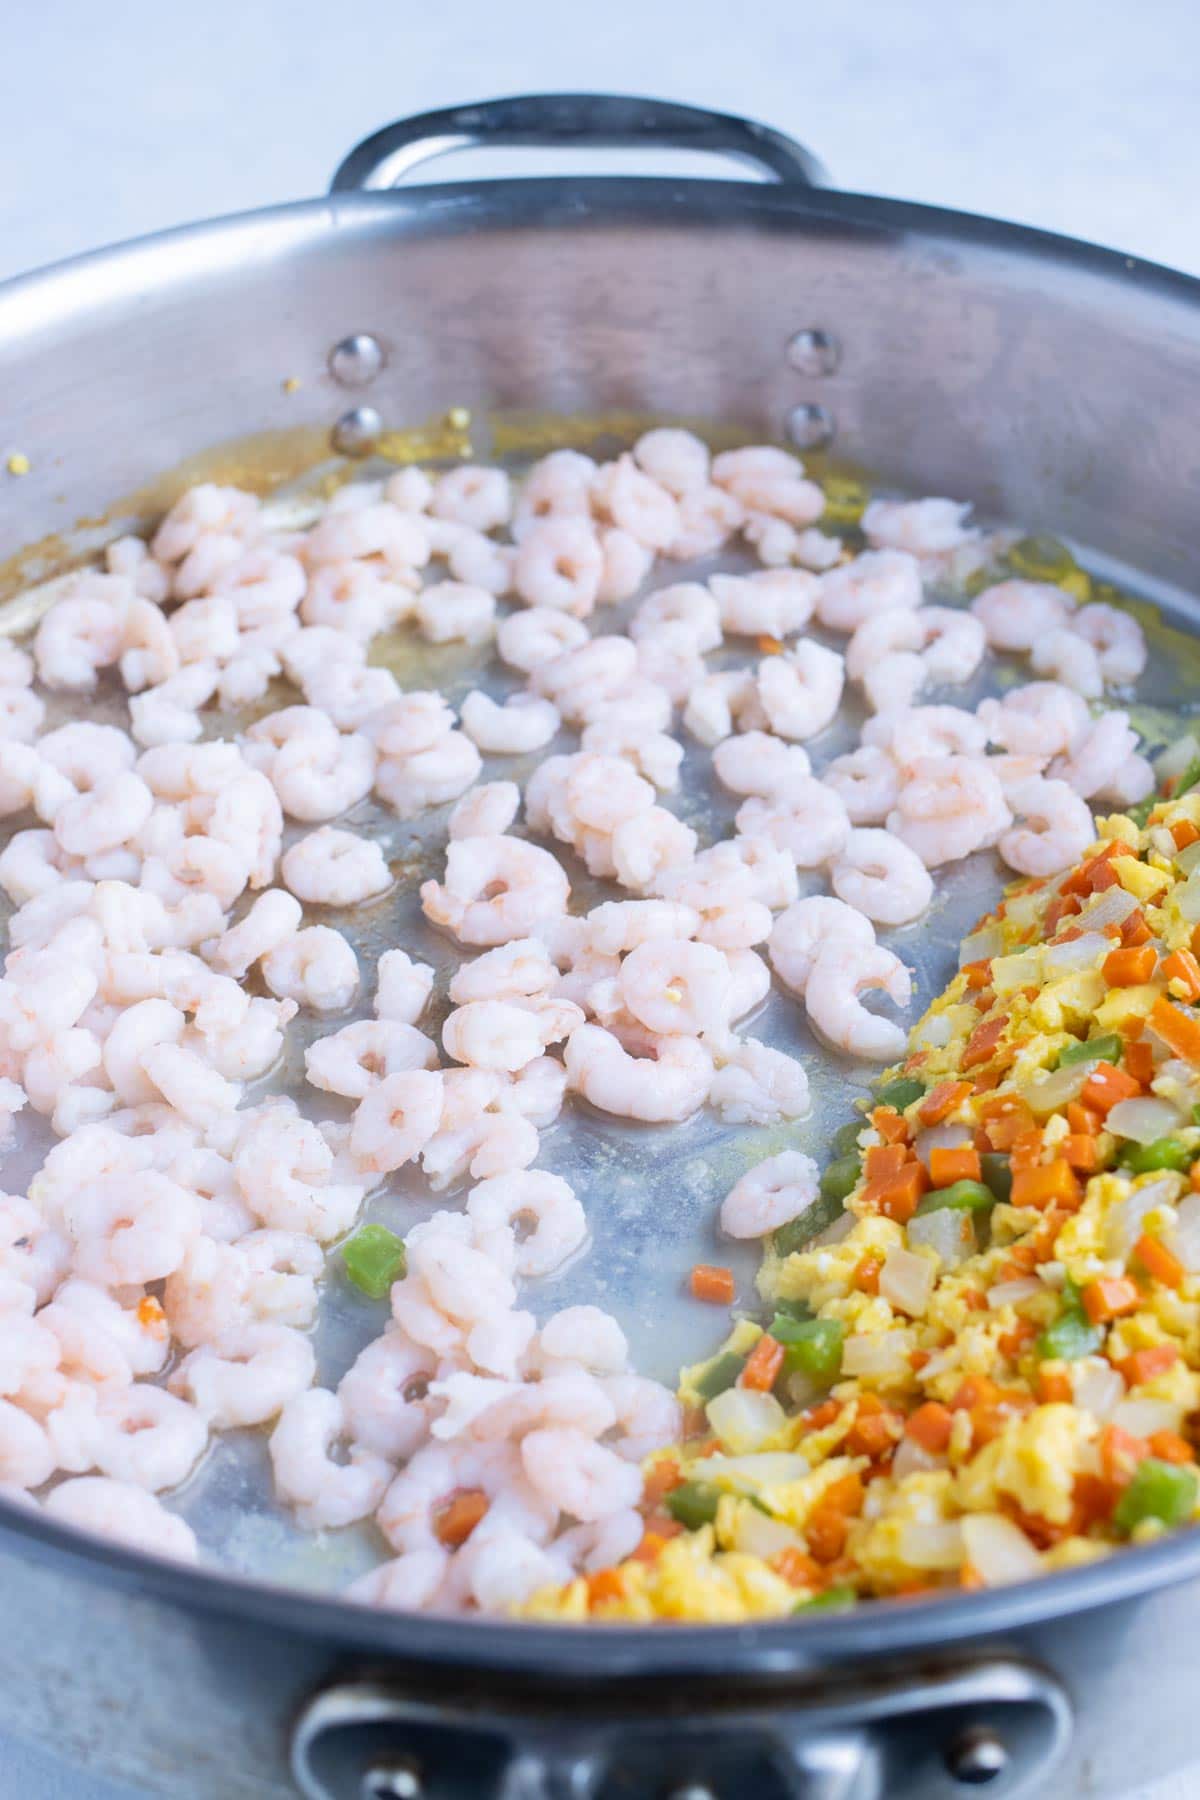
{"points": [[163, 1271]]}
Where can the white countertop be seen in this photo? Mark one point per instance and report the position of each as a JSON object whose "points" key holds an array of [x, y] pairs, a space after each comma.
{"points": [[1076, 115]]}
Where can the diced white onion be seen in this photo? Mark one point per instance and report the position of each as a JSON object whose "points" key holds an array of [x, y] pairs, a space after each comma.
{"points": [[982, 944], [743, 1418], [1124, 1224], [770, 1468], [1144, 1120], [1022, 969], [1142, 1418], [1096, 1386], [1047, 1094], [1176, 757], [1188, 858], [1185, 1239], [906, 1280], [936, 1033], [1187, 897], [998, 1550], [1077, 953], [876, 1353], [912, 1459], [940, 1137], [1011, 1293], [1112, 907], [936, 1544], [841, 1227], [757, 1534], [950, 1230], [1023, 909]]}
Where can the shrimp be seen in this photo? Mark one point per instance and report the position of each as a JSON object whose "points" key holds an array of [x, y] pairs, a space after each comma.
{"points": [[867, 781], [1055, 828], [130, 1229], [652, 753], [407, 1583], [676, 460], [757, 1085], [140, 1434], [685, 603], [618, 926], [26, 1456], [1132, 781], [492, 1034], [1097, 754], [455, 611], [772, 1194], [409, 1512], [473, 495], [840, 972], [1017, 615], [83, 631], [559, 564], [522, 724], [626, 565], [769, 480], [750, 982], [127, 1514], [396, 1119], [315, 967], [675, 987], [879, 875], [670, 1085], [319, 778], [495, 889], [402, 987], [331, 867], [649, 1417], [544, 1203], [485, 811], [321, 1491], [721, 703], [1117, 639], [527, 640], [579, 1476], [799, 934], [246, 1375], [1041, 719], [948, 806], [923, 527], [875, 582], [480, 562], [583, 1335], [800, 691], [759, 764], [518, 969], [912, 732], [707, 519], [807, 819], [770, 603], [385, 1396], [430, 777], [283, 1168], [580, 681], [624, 496], [1069, 658]]}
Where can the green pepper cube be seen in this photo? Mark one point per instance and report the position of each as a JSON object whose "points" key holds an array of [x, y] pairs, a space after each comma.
{"points": [[844, 1141], [997, 1173], [1163, 1153], [841, 1178], [375, 1257], [839, 1598], [900, 1093], [1097, 1049], [693, 1504], [1189, 778], [1159, 1490], [962, 1196], [720, 1374], [1071, 1336], [814, 1347], [791, 1310]]}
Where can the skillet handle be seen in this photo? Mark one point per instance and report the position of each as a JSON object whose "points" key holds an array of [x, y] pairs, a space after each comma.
{"points": [[571, 122]]}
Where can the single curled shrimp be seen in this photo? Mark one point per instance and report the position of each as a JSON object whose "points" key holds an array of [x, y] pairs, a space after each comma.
{"points": [[322, 1492], [495, 889], [875, 582], [1117, 639], [923, 527], [801, 690], [1042, 719], [882, 877], [771, 1194], [559, 564], [331, 867], [758, 764], [840, 972], [807, 819], [675, 987], [1054, 828], [669, 1085], [866, 780], [544, 1203], [1097, 754], [948, 806], [800, 932], [757, 1085], [522, 724], [1018, 614]]}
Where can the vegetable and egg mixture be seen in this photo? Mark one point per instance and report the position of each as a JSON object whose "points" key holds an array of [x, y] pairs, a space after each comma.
{"points": [[988, 1366]]}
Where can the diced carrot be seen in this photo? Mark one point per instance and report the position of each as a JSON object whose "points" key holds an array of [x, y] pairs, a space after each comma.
{"points": [[983, 1041], [1143, 1365], [1134, 929], [1138, 1058], [151, 1317], [969, 1578], [891, 1125], [1082, 1119], [1005, 1119], [1083, 879], [1079, 1150], [975, 1299], [1109, 1297], [930, 1426], [1129, 968], [1184, 833], [1181, 971], [1054, 1386], [1170, 1447], [1158, 1261], [1196, 940], [1065, 906], [978, 974], [664, 1476], [818, 1417], [1022, 1260], [974, 1390], [918, 1358], [1026, 1151], [1194, 1177], [827, 1523], [1052, 1181], [949, 1163], [896, 1196], [984, 1000], [875, 1429], [1120, 1454], [653, 1542], [796, 1569], [604, 1585], [1177, 1030], [1093, 1499], [715, 1285], [770, 646], [942, 1100], [761, 1369], [867, 1273], [884, 1159], [1107, 1084], [1013, 1342], [459, 1517]]}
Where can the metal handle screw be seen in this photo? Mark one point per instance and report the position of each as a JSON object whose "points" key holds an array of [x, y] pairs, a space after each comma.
{"points": [[356, 360], [692, 1790], [810, 427], [977, 1757], [814, 352], [357, 432], [393, 1781]]}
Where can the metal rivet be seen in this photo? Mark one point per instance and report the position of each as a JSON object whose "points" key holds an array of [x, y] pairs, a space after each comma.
{"points": [[692, 1790], [357, 432], [393, 1781], [977, 1757], [810, 427], [357, 360], [814, 352]]}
